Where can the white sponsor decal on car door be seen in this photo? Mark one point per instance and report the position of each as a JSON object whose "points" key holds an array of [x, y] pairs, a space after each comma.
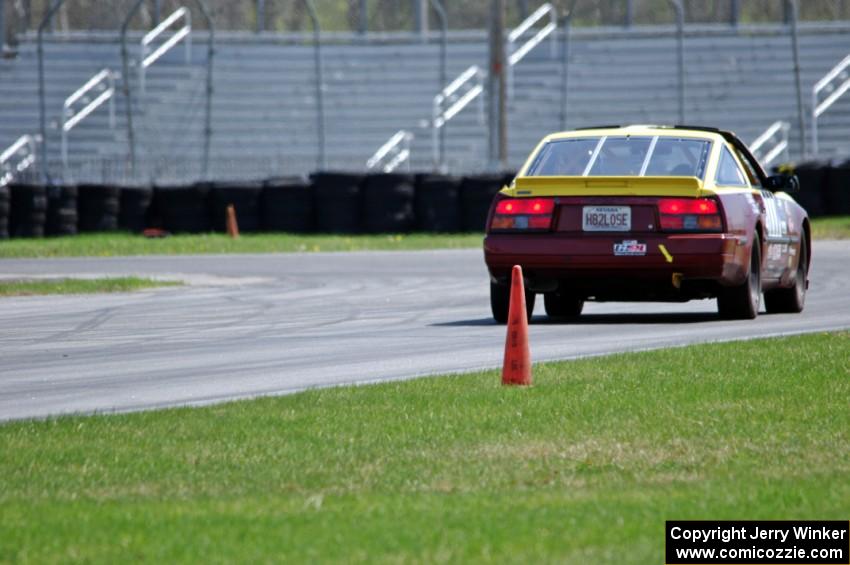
{"points": [[777, 226]]}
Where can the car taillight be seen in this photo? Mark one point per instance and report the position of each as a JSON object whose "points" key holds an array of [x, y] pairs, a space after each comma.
{"points": [[523, 214], [689, 214]]}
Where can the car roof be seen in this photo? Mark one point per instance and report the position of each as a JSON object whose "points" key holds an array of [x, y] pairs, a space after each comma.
{"points": [[645, 130]]}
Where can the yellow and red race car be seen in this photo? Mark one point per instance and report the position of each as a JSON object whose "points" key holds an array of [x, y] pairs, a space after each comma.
{"points": [[648, 213]]}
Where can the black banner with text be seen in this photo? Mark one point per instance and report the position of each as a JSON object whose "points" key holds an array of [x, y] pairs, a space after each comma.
{"points": [[746, 542]]}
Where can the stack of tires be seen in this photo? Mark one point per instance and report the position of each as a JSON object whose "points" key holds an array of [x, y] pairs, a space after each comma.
{"points": [[62, 217], [437, 205], [331, 202], [27, 210], [135, 207], [4, 212], [813, 176], [245, 199], [837, 196], [388, 203], [476, 195], [97, 207], [287, 205], [337, 200], [182, 209]]}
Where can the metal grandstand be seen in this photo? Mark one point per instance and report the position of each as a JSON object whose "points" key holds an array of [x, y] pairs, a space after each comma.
{"points": [[382, 108]]}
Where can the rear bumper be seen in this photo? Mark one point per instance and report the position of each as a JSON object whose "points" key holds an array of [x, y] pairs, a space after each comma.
{"points": [[701, 262]]}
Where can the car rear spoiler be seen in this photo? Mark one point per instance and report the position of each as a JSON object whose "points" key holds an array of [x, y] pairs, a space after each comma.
{"points": [[608, 186]]}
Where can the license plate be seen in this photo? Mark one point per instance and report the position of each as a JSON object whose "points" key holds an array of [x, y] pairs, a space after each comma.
{"points": [[606, 218]]}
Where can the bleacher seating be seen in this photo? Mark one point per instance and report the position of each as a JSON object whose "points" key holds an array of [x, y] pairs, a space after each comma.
{"points": [[264, 104]]}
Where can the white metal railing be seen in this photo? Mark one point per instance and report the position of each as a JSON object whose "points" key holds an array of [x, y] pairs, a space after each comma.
{"points": [[97, 90], [148, 57], [24, 148], [392, 153], [515, 52], [456, 96], [777, 134], [827, 83]]}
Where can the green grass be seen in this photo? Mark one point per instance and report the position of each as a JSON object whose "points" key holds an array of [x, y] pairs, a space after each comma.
{"points": [[116, 244], [78, 286], [837, 227], [583, 467], [122, 244]]}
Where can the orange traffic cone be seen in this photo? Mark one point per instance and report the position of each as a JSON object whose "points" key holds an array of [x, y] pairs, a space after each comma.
{"points": [[232, 225], [516, 369]]}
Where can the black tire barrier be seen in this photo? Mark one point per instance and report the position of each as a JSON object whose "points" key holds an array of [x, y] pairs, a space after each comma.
{"points": [[387, 203], [97, 207], [813, 176], [837, 194], [330, 203], [4, 212], [287, 205], [181, 209], [476, 195], [27, 210], [61, 218], [245, 199], [437, 203], [337, 198], [135, 209]]}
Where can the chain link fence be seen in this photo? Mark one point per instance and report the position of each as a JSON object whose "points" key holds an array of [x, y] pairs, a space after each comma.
{"points": [[385, 16]]}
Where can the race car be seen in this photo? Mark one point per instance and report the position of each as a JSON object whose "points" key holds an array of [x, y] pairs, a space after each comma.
{"points": [[648, 213]]}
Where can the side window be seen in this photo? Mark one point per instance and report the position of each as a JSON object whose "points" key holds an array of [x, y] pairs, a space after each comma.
{"points": [[749, 170], [728, 172]]}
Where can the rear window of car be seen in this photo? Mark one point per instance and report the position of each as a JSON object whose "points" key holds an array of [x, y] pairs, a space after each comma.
{"points": [[663, 156]]}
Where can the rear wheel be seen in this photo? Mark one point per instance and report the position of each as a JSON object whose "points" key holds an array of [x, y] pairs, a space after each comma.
{"points": [[742, 302], [562, 305], [790, 300], [500, 302]]}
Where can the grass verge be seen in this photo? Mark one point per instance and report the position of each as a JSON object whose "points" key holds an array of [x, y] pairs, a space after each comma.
{"points": [[78, 286], [123, 244], [116, 244], [837, 227], [583, 467]]}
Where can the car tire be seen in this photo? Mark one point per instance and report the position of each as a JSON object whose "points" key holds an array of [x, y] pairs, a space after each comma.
{"points": [[562, 305], [742, 302], [500, 302], [790, 300]]}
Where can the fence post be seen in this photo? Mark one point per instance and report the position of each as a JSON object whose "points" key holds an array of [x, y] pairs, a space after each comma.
{"points": [[792, 10], [734, 12], [2, 24], [497, 88], [42, 114], [441, 15], [680, 54], [630, 13], [565, 67], [320, 101], [209, 86], [125, 83], [260, 9], [363, 17], [420, 17]]}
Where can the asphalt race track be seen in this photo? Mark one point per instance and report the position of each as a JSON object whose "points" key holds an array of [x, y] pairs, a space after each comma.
{"points": [[249, 325]]}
